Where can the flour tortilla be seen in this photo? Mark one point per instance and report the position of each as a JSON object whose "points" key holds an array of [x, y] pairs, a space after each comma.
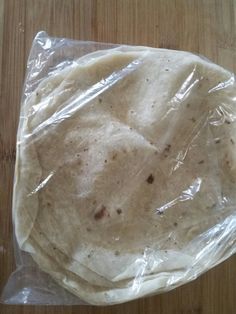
{"points": [[98, 295], [142, 285], [126, 151]]}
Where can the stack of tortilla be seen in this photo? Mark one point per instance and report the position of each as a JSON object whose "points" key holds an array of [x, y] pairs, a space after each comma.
{"points": [[125, 172]]}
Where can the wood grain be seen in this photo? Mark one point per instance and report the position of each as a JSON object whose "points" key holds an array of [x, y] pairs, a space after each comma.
{"points": [[207, 27]]}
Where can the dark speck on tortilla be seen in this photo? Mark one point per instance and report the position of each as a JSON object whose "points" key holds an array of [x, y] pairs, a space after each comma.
{"points": [[150, 179], [201, 162], [101, 213]]}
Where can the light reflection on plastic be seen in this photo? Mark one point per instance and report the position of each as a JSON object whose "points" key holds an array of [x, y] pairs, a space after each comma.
{"points": [[48, 44], [87, 96], [186, 195], [142, 263], [222, 85], [190, 140], [185, 87], [25, 295], [42, 184]]}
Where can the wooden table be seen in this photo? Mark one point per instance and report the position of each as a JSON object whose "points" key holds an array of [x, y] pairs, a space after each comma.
{"points": [[202, 26]]}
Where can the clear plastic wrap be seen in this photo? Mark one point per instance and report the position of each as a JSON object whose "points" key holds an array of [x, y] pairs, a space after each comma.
{"points": [[125, 172]]}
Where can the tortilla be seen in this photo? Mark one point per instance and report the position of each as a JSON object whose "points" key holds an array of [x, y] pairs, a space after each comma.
{"points": [[124, 159]]}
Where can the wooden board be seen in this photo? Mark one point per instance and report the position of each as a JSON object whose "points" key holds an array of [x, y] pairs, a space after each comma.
{"points": [[202, 26]]}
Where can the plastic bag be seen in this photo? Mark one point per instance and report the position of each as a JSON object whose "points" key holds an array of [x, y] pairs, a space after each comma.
{"points": [[129, 155]]}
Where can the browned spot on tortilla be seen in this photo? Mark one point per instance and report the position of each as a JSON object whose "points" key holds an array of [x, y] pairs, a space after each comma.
{"points": [[119, 211], [201, 162], [175, 224], [150, 179], [168, 147], [232, 141], [88, 229], [114, 156], [101, 213]]}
